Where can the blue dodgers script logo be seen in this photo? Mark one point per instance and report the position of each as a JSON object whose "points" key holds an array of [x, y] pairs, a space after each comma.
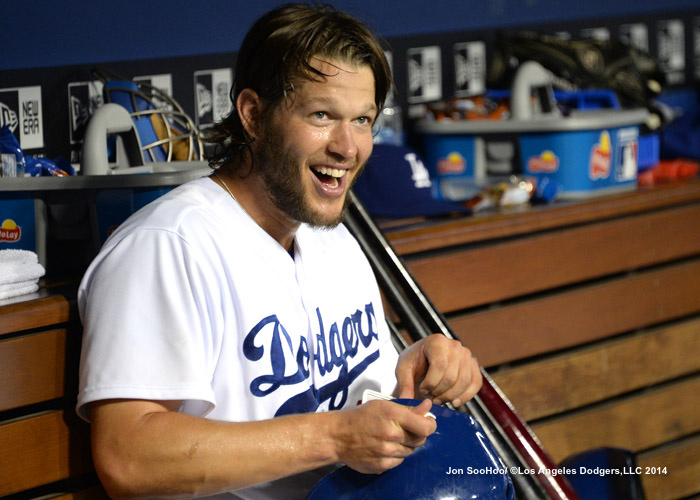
{"points": [[335, 349]]}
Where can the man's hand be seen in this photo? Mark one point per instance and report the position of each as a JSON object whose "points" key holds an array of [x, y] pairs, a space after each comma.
{"points": [[379, 435], [441, 369]]}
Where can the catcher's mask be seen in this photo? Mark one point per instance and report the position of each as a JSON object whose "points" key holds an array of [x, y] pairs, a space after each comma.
{"points": [[165, 131]]}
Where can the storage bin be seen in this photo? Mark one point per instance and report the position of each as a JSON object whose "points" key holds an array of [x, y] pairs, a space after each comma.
{"points": [[588, 153]]}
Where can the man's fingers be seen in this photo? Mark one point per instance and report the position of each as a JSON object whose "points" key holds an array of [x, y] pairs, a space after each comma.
{"points": [[467, 384], [453, 373], [418, 422], [447, 370], [423, 408], [405, 385], [438, 368], [412, 366], [385, 434], [443, 376], [412, 442], [424, 424]]}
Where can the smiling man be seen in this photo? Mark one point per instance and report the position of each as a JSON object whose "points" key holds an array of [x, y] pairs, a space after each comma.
{"points": [[232, 326], [310, 148]]}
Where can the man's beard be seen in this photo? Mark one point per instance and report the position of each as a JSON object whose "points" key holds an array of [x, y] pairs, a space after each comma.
{"points": [[281, 173]]}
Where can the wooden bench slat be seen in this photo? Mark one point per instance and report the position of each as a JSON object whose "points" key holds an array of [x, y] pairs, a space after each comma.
{"points": [[42, 312], [682, 462], [581, 315], [480, 228], [635, 423], [43, 449], [566, 382], [32, 368], [476, 276]]}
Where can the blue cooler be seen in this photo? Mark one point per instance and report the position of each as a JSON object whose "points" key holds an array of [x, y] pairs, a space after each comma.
{"points": [[587, 153], [590, 149]]}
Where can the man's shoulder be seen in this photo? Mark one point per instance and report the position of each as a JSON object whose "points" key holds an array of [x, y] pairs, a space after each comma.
{"points": [[183, 209]]}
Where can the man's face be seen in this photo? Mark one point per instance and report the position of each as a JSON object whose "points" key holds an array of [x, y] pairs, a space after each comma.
{"points": [[315, 144]]}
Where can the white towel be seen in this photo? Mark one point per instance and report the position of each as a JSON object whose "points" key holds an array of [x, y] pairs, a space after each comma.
{"points": [[15, 289], [18, 266]]}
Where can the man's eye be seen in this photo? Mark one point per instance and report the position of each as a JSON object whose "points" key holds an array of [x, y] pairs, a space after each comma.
{"points": [[364, 120], [320, 115]]}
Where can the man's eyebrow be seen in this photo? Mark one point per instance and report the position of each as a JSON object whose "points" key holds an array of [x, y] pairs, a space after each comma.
{"points": [[330, 103]]}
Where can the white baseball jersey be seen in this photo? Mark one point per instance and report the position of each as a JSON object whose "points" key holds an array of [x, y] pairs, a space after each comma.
{"points": [[191, 300]]}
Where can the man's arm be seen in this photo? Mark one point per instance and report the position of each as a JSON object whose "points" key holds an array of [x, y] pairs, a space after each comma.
{"points": [[148, 449]]}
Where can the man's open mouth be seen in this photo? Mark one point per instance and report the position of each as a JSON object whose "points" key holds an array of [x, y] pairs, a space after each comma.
{"points": [[329, 176]]}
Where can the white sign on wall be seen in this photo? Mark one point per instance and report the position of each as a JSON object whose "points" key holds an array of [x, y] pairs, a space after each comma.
{"points": [[470, 68], [424, 74], [670, 40], [211, 95], [20, 111]]}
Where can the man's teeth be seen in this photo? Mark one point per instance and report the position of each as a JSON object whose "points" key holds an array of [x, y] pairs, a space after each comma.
{"points": [[333, 172]]}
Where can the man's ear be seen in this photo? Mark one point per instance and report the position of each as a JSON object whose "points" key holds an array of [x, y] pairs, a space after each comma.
{"points": [[249, 107]]}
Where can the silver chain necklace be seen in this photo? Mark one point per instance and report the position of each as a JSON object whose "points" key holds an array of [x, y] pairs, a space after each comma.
{"points": [[216, 174]]}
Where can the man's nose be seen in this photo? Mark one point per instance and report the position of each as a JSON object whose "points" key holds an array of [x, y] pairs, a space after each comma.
{"points": [[342, 141]]}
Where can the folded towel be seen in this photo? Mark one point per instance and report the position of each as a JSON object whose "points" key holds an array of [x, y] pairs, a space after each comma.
{"points": [[17, 266], [15, 289]]}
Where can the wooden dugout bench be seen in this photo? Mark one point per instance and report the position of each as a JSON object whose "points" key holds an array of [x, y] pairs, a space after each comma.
{"points": [[45, 446], [587, 315]]}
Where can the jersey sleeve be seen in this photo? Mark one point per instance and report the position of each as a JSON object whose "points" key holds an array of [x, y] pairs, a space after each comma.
{"points": [[150, 331]]}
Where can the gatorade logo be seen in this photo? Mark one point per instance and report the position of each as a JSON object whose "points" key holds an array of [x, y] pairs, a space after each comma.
{"points": [[10, 231]]}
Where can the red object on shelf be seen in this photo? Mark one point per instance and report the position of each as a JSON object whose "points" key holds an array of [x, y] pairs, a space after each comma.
{"points": [[669, 171]]}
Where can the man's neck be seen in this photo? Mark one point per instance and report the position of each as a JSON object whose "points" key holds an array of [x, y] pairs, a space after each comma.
{"points": [[250, 193]]}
